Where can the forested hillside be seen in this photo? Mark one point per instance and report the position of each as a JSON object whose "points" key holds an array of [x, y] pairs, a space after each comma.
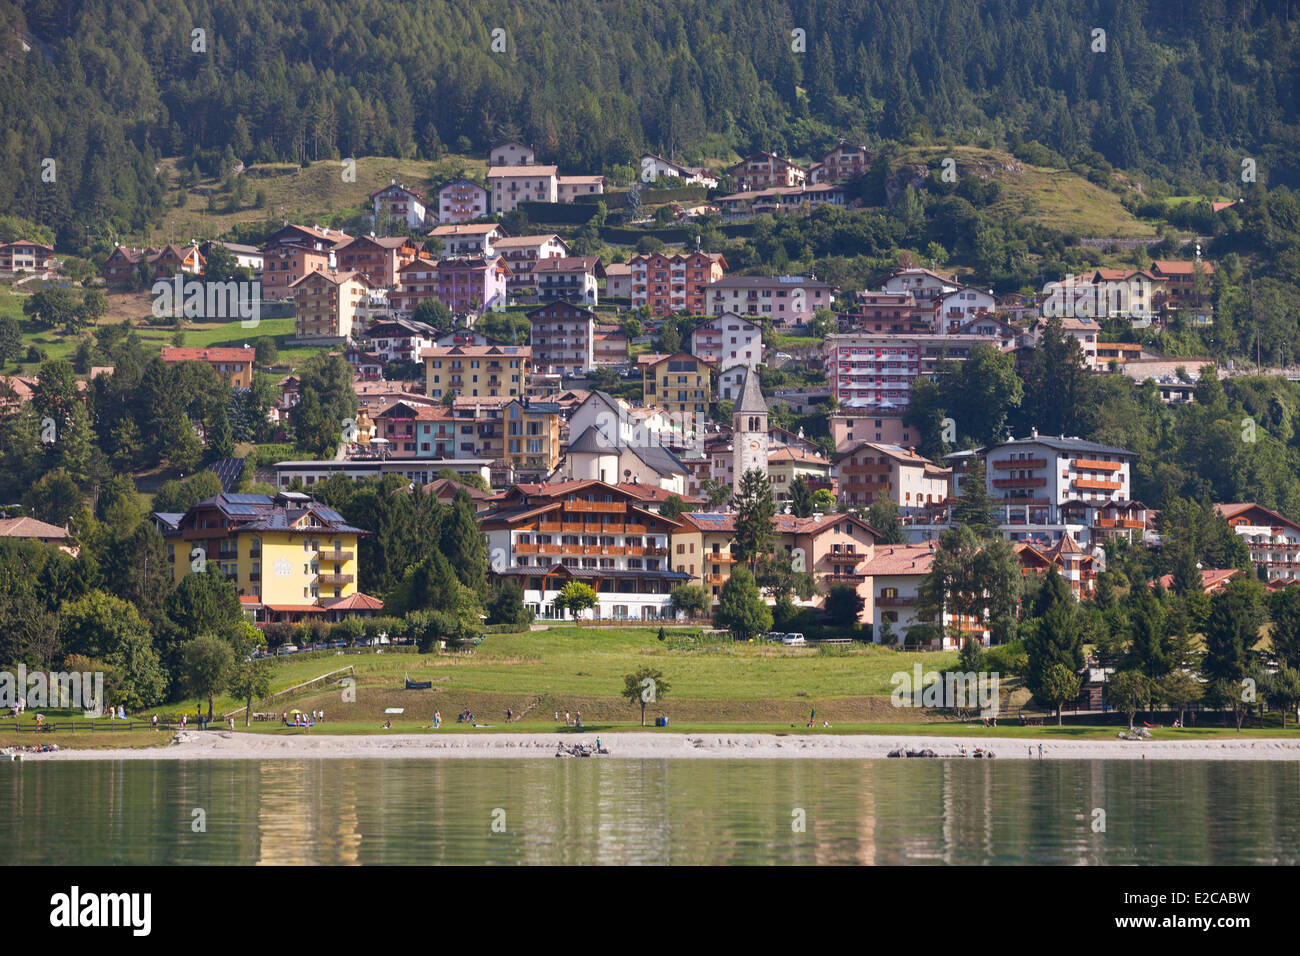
{"points": [[1184, 90]]}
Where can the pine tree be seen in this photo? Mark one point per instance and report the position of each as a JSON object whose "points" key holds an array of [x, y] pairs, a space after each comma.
{"points": [[754, 512], [974, 508]]}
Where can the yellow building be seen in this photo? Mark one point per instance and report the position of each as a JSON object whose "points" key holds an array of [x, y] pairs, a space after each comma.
{"points": [[681, 383], [477, 371], [290, 557], [833, 548], [532, 438], [788, 463], [328, 305]]}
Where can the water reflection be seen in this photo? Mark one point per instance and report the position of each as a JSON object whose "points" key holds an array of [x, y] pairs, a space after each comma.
{"points": [[621, 813]]}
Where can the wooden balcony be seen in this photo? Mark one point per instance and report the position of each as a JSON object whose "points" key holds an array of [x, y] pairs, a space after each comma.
{"points": [[1096, 484], [1090, 464], [1030, 482], [335, 556], [608, 507], [901, 600], [334, 578], [1030, 463]]}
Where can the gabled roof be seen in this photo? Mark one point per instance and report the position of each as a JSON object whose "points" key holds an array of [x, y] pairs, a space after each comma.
{"points": [[656, 457], [465, 229], [26, 527], [172, 353], [498, 172], [1244, 508], [900, 559]]}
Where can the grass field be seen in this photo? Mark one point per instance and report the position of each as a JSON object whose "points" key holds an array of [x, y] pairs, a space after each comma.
{"points": [[712, 687], [755, 688], [136, 308]]}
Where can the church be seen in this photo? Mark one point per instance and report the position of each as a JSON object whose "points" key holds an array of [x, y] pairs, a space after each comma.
{"points": [[749, 431]]}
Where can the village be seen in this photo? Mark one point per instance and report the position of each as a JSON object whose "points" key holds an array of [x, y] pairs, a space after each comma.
{"points": [[578, 477]]}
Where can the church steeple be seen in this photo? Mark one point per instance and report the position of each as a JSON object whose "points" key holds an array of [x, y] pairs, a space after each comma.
{"points": [[749, 430]]}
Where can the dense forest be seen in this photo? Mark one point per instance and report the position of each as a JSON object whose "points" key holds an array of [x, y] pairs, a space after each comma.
{"points": [[1182, 91]]}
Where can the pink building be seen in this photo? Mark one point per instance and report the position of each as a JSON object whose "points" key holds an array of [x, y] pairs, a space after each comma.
{"points": [[472, 284]]}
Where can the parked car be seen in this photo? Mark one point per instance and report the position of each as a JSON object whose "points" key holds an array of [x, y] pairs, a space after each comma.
{"points": [[288, 648], [794, 640], [774, 637]]}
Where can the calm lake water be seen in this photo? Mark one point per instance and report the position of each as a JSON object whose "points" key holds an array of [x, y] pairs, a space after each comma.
{"points": [[652, 811]]}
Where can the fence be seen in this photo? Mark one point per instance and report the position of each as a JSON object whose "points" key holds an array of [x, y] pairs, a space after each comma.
{"points": [[110, 726], [305, 685]]}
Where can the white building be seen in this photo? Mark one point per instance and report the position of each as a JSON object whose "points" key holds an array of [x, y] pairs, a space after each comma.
{"points": [[734, 344], [922, 283], [1273, 540], [569, 188], [394, 204], [959, 307], [653, 167], [783, 299], [1030, 479], [522, 253], [511, 153], [511, 185], [897, 572], [468, 239]]}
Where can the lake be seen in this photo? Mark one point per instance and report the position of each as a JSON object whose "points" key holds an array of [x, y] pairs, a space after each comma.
{"points": [[618, 812]]}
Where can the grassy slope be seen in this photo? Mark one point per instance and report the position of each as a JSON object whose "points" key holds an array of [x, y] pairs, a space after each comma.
{"points": [[310, 195], [1059, 199]]}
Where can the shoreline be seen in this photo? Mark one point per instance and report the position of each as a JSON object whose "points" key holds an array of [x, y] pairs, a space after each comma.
{"points": [[225, 745]]}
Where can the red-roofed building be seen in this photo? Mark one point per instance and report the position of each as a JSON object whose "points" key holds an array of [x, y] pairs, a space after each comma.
{"points": [[1213, 580], [1273, 539], [547, 535], [22, 255], [293, 252], [376, 258], [410, 430], [233, 365]]}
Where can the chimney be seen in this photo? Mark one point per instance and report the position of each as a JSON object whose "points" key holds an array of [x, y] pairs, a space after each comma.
{"points": [[1033, 433]]}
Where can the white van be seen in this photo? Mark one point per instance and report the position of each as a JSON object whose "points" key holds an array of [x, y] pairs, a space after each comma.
{"points": [[794, 640]]}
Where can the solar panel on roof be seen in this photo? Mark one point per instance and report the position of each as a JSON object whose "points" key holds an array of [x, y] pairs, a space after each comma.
{"points": [[248, 499], [241, 510]]}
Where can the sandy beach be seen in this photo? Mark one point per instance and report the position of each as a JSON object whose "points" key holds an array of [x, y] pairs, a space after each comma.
{"points": [[224, 745]]}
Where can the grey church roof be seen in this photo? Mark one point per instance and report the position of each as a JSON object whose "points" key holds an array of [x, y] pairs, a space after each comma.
{"points": [[751, 396]]}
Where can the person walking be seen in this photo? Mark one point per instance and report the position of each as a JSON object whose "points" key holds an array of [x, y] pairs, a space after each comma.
{"points": [[566, 718], [510, 715], [155, 721], [579, 715], [231, 722]]}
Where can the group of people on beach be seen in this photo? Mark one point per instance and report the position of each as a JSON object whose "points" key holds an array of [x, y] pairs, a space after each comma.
{"points": [[302, 720]]}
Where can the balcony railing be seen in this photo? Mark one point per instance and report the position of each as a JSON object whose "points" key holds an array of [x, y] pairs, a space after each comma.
{"points": [[1030, 482], [1028, 463]]}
